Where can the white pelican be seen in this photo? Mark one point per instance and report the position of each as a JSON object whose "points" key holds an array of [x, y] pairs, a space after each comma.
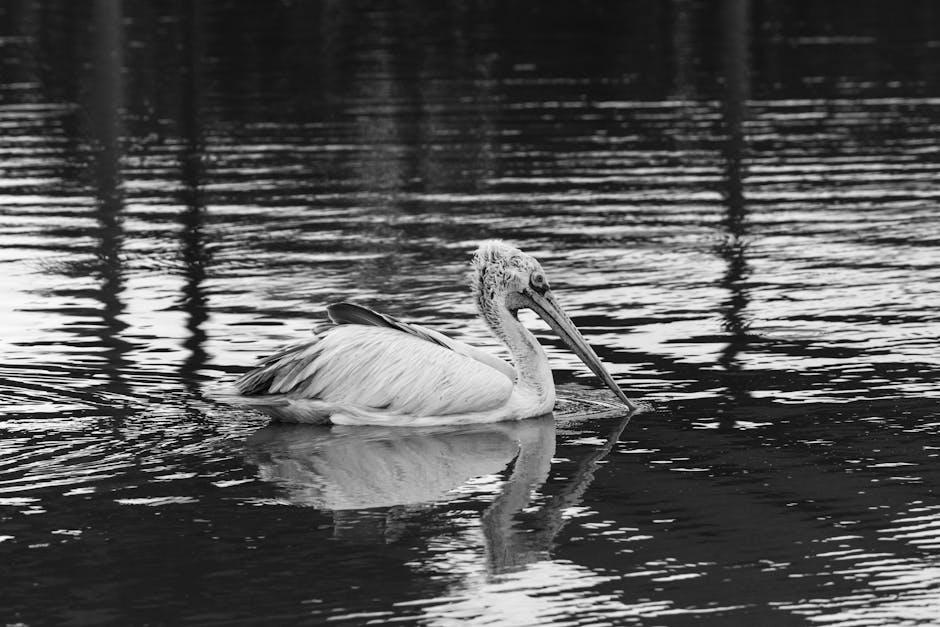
{"points": [[369, 368]]}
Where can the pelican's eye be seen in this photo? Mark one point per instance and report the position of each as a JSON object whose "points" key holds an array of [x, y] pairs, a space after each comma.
{"points": [[538, 283]]}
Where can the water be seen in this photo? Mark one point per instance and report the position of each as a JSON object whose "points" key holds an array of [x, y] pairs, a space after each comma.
{"points": [[738, 207]]}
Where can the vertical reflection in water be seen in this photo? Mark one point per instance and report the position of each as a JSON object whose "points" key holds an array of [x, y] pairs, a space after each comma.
{"points": [[335, 17], [685, 134], [195, 258], [387, 161], [485, 162], [386, 130], [20, 19], [683, 88], [105, 105], [457, 151], [930, 61], [735, 69]]}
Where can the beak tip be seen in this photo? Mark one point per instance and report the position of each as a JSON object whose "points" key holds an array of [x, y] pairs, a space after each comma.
{"points": [[626, 401]]}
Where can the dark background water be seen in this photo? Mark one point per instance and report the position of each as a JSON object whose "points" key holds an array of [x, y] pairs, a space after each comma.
{"points": [[736, 201]]}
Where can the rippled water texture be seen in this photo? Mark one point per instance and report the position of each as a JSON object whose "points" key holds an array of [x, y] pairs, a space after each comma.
{"points": [[737, 202]]}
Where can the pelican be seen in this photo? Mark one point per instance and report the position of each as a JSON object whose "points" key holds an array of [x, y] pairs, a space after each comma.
{"points": [[370, 368]]}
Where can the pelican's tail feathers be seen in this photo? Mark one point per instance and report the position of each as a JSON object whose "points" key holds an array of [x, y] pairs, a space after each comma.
{"points": [[256, 381], [278, 372]]}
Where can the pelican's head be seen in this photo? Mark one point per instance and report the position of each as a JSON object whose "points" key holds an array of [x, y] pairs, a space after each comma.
{"points": [[506, 278]]}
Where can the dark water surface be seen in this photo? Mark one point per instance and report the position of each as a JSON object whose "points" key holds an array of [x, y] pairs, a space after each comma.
{"points": [[737, 202]]}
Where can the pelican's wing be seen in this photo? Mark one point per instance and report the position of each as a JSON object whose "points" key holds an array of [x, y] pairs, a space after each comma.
{"points": [[349, 313], [380, 368]]}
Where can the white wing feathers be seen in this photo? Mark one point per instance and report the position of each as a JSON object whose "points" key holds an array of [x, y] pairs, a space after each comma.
{"points": [[384, 368], [349, 313]]}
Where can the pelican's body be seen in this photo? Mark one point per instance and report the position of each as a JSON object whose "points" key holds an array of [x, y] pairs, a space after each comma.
{"points": [[373, 369]]}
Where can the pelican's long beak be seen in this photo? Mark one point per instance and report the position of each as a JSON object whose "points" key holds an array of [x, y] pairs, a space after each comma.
{"points": [[548, 309]]}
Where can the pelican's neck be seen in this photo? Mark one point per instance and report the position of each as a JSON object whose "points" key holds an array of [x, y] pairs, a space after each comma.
{"points": [[533, 373]]}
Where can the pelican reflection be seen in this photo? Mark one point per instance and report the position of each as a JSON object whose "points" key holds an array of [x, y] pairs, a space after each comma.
{"points": [[349, 469], [354, 468]]}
